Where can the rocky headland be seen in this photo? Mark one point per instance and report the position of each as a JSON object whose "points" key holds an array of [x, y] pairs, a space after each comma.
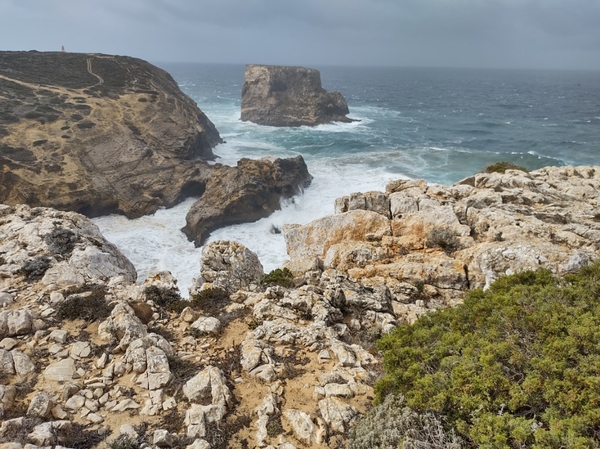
{"points": [[98, 134], [289, 96], [88, 357]]}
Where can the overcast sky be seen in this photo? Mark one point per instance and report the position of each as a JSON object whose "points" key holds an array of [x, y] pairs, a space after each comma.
{"points": [[562, 34]]}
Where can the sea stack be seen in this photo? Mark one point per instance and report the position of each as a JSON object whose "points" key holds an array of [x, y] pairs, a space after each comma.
{"points": [[98, 134], [289, 96]]}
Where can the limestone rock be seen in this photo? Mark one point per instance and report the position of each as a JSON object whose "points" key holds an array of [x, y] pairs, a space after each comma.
{"points": [[62, 248], [23, 364], [98, 134], [315, 238], [229, 266], [40, 406], [208, 386], [245, 193], [15, 322], [337, 414], [122, 325], [303, 426], [61, 371], [207, 325], [289, 96]]}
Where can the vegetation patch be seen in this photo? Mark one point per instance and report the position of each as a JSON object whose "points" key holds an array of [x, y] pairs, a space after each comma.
{"points": [[392, 425], [61, 242], [282, 277], [444, 239], [211, 301], [34, 269], [88, 303], [182, 370], [163, 297], [502, 166], [77, 436], [513, 367]]}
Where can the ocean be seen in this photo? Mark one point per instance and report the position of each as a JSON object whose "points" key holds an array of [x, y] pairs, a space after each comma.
{"points": [[440, 125]]}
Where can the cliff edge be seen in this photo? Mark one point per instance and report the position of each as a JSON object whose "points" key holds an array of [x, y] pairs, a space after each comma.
{"points": [[97, 134], [289, 96]]}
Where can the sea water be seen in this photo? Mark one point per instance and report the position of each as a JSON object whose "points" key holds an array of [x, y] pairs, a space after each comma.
{"points": [[440, 125]]}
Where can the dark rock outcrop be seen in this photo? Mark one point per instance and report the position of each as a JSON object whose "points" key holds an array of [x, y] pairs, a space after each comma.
{"points": [[289, 96], [98, 134], [245, 193]]}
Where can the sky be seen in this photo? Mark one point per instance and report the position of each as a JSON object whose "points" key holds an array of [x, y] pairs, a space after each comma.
{"points": [[546, 34]]}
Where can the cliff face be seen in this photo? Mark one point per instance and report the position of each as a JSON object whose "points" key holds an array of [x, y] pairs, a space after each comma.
{"points": [[289, 96], [429, 243], [97, 134]]}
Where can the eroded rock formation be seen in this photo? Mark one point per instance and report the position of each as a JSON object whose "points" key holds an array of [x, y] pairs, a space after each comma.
{"points": [[261, 365], [428, 243], [289, 96], [265, 365], [248, 192], [98, 134]]}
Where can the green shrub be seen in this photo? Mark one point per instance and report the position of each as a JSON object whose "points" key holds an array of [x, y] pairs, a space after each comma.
{"points": [[514, 367], [284, 278], [502, 166]]}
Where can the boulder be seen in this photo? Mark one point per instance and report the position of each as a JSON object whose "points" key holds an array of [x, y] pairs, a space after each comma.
{"points": [[245, 193], [289, 96], [98, 134], [229, 266]]}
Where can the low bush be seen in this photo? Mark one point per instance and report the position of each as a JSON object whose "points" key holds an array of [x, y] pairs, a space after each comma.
{"points": [[392, 425], [211, 301], [163, 297], [444, 239], [284, 278], [88, 303], [34, 269], [61, 242], [502, 166], [513, 367]]}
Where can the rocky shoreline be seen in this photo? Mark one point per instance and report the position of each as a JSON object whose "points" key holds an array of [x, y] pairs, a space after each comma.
{"points": [[248, 362]]}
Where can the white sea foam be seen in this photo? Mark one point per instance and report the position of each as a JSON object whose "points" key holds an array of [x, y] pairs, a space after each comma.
{"points": [[155, 242]]}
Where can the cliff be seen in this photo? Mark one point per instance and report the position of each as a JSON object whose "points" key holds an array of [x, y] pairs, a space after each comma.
{"points": [[97, 134], [428, 243], [289, 96], [88, 357]]}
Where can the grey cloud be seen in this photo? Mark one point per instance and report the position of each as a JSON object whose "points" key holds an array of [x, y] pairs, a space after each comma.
{"points": [[505, 33]]}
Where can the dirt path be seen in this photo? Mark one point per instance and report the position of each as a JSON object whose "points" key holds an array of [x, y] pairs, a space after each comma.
{"points": [[89, 69]]}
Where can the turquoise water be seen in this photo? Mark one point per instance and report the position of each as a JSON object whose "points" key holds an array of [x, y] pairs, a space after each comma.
{"points": [[437, 124]]}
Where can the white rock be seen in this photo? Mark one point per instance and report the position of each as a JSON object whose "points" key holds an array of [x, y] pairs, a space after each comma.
{"points": [[207, 325], [337, 414], [162, 438], [80, 350], [23, 364], [41, 405], [8, 343], [6, 299], [229, 265], [75, 403], [199, 444], [7, 365], [303, 426]]}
